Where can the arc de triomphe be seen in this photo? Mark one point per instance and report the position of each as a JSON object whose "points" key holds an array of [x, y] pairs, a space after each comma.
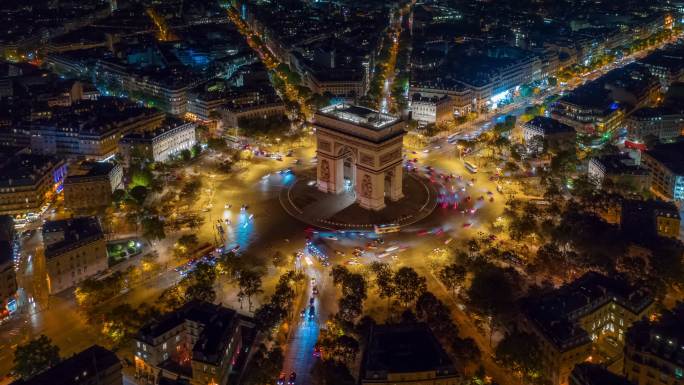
{"points": [[360, 150]]}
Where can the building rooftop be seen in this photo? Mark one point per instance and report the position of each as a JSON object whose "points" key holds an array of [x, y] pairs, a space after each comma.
{"points": [[556, 314], [218, 323], [80, 369], [89, 169], [76, 232], [24, 169], [671, 155], [663, 337], [404, 349], [168, 125], [591, 374], [417, 97], [549, 126], [619, 164], [360, 116]]}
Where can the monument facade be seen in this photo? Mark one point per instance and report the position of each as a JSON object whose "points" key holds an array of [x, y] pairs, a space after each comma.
{"points": [[360, 151]]}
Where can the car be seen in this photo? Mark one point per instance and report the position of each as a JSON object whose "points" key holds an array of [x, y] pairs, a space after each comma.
{"points": [[312, 311], [302, 313], [315, 290], [281, 379], [317, 351], [311, 301], [467, 224], [293, 379]]}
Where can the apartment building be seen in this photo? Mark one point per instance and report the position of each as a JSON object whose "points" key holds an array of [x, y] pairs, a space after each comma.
{"points": [[571, 319], [92, 366], [665, 162], [654, 349], [199, 343], [160, 144], [89, 185], [74, 250], [433, 109], [28, 182]]}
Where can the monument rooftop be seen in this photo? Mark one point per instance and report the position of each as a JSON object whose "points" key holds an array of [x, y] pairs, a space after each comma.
{"points": [[360, 116]]}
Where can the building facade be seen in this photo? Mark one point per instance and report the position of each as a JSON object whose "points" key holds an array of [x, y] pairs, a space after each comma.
{"points": [[431, 109], [660, 122], [158, 145], [199, 343], [89, 185], [29, 182], [568, 321], [75, 249], [665, 162], [653, 350]]}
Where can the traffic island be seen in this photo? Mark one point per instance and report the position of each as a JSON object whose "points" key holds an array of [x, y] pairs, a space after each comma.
{"points": [[303, 200]]}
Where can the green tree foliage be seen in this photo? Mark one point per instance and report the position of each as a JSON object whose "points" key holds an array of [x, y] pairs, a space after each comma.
{"points": [[138, 194], [141, 177], [491, 291], [185, 155], [271, 313], [452, 276], [189, 241], [437, 316], [218, 144], [331, 372], [200, 283], [118, 196], [249, 284], [264, 366], [267, 127], [93, 292], [384, 281], [409, 285], [354, 292], [123, 321], [35, 356], [521, 351], [153, 228]]}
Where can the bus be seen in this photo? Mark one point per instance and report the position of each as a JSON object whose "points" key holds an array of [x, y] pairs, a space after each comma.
{"points": [[470, 167], [388, 228], [451, 139]]}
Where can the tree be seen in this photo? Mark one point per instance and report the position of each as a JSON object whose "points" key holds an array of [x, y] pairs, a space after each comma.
{"points": [[249, 284], [189, 241], [330, 372], [339, 274], [264, 367], [437, 316], [409, 285], [521, 351], [217, 144], [200, 283], [452, 276], [278, 259], [185, 155], [268, 315], [122, 322], [466, 350], [118, 196], [141, 177], [153, 228], [35, 356], [384, 281], [138, 193], [491, 291]]}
